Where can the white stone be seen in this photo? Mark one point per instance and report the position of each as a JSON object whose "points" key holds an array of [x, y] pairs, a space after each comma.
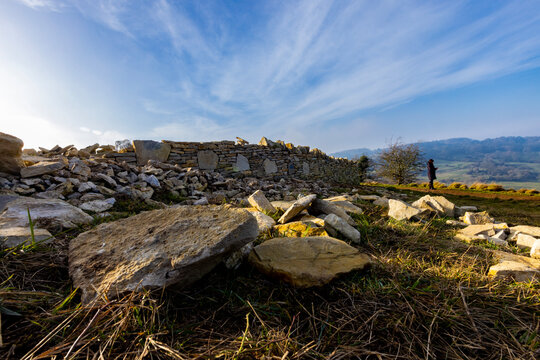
{"points": [[400, 210], [382, 201], [525, 241], [98, 206], [342, 227], [261, 203], [296, 208], [535, 250]]}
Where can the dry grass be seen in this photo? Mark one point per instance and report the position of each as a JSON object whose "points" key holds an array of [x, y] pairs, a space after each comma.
{"points": [[425, 297]]}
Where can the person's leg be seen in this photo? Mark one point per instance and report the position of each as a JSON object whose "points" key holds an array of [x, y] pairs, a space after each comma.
{"points": [[431, 185]]}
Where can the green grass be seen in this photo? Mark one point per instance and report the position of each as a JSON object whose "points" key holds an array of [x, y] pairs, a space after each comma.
{"points": [[425, 296]]}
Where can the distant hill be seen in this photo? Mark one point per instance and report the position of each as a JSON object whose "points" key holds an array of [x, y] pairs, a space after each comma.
{"points": [[503, 149]]}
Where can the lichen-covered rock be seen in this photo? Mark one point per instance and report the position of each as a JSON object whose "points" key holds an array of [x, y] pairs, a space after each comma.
{"points": [[154, 249], [300, 229], [10, 154], [307, 261]]}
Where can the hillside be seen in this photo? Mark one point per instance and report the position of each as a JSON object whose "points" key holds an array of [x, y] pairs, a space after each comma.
{"points": [[508, 149]]}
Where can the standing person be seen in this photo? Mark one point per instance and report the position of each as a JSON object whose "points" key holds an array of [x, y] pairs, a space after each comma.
{"points": [[431, 173]]}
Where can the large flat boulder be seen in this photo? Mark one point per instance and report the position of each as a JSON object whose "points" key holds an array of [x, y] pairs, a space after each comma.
{"points": [[10, 154], [151, 150], [307, 261], [264, 221], [154, 249], [45, 213], [526, 229]]}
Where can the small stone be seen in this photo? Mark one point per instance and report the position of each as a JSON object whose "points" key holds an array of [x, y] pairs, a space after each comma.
{"points": [[295, 209], [319, 206], [400, 210], [14, 236], [341, 226], [477, 218], [382, 201], [87, 186], [525, 241], [535, 250], [261, 203], [98, 206]]}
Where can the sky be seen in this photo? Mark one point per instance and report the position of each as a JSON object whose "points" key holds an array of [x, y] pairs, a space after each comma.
{"points": [[329, 74]]}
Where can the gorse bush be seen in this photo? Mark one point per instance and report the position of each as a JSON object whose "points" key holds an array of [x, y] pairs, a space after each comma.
{"points": [[532, 192], [439, 185], [495, 187], [455, 185], [478, 186]]}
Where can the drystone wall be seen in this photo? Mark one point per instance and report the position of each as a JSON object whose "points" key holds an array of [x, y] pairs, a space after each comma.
{"points": [[228, 157]]}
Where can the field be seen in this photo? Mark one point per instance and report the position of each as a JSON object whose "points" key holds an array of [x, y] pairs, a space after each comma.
{"points": [[425, 297], [456, 171]]}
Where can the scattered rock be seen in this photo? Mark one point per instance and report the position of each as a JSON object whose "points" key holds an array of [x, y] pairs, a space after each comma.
{"points": [[42, 168], [264, 221], [51, 212], [14, 236], [154, 249], [526, 229], [319, 206], [535, 249], [477, 218], [438, 204], [282, 205], [368, 198], [516, 270], [400, 210], [348, 207], [306, 261], [261, 203], [98, 206], [382, 201], [296, 208], [10, 154], [341, 226], [525, 241]]}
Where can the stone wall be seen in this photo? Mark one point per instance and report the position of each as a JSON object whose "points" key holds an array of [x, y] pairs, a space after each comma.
{"points": [[280, 160]]}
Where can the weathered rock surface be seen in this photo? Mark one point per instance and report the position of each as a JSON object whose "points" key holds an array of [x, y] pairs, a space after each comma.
{"points": [[307, 261], [46, 212], [535, 250], [10, 154], [98, 206], [520, 268], [437, 204], [151, 150], [157, 248], [264, 221], [207, 160], [270, 167], [477, 218], [42, 168], [347, 206], [382, 201], [326, 207], [525, 241], [527, 229], [242, 163], [400, 210], [282, 205], [295, 209], [13, 236], [261, 203], [341, 226]]}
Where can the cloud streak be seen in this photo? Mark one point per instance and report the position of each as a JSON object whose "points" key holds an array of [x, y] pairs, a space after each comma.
{"points": [[277, 69]]}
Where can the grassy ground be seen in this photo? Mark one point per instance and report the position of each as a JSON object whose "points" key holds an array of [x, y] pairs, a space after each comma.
{"points": [[426, 296]]}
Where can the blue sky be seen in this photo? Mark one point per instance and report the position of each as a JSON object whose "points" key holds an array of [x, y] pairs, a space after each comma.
{"points": [[329, 74]]}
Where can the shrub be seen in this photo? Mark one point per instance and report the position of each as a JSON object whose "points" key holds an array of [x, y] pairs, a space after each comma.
{"points": [[424, 185], [522, 191], [455, 185], [532, 192], [413, 185], [439, 185], [478, 186], [495, 187], [464, 187]]}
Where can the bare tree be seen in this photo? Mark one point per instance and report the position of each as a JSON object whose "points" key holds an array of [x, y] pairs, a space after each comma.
{"points": [[400, 163]]}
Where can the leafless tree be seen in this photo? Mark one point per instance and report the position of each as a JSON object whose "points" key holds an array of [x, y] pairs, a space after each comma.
{"points": [[400, 163]]}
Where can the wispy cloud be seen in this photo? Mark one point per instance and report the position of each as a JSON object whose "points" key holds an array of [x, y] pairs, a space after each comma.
{"points": [[293, 68]]}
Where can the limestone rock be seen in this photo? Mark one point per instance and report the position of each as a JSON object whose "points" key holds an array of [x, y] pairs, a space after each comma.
{"points": [[13, 236], [306, 261], [535, 249], [472, 230], [497, 241], [400, 210], [348, 207], [270, 167], [525, 241], [516, 270], [242, 163], [42, 168], [296, 208], [10, 154], [382, 201], [264, 221], [477, 218], [261, 203], [438, 204], [526, 229], [299, 229], [368, 197], [207, 160], [98, 206], [151, 150], [282, 205], [326, 207], [341, 226], [50, 212], [154, 249]]}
